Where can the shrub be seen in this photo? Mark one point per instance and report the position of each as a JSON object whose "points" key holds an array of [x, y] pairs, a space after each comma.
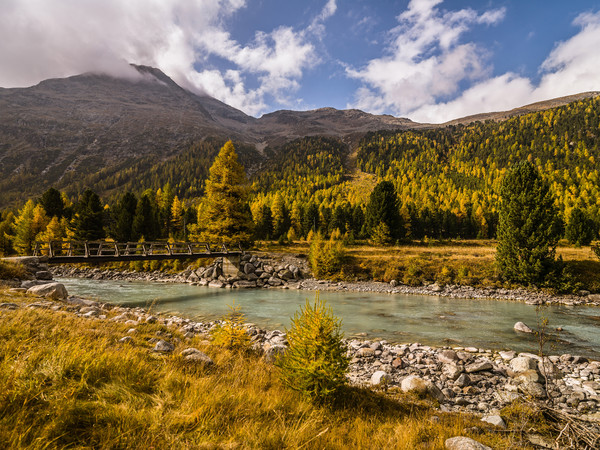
{"points": [[381, 234], [315, 363], [326, 257], [414, 273], [445, 275], [231, 333]]}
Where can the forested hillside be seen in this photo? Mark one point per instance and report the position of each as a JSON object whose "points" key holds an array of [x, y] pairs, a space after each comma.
{"points": [[446, 180], [457, 169]]}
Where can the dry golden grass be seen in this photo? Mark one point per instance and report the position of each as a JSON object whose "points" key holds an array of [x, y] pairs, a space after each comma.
{"points": [[67, 382]]}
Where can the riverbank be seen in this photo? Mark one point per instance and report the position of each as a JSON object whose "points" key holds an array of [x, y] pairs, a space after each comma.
{"points": [[466, 380], [291, 272]]}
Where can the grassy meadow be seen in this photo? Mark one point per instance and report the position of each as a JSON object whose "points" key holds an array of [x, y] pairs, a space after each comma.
{"points": [[468, 262]]}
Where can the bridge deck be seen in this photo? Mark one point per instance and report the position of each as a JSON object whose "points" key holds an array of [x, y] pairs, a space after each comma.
{"points": [[59, 252]]}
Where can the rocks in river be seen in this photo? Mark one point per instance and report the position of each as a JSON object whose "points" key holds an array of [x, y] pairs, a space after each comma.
{"points": [[520, 326], [55, 291], [464, 443]]}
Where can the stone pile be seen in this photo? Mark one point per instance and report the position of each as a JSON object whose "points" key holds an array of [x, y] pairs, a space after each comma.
{"points": [[478, 380], [253, 272]]}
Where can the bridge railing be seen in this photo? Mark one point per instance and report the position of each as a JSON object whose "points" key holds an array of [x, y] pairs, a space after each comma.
{"points": [[118, 249]]}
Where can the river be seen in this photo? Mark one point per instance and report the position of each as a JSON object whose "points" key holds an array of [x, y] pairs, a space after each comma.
{"points": [[397, 318]]}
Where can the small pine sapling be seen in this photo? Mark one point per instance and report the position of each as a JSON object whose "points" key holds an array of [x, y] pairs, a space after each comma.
{"points": [[315, 362]]}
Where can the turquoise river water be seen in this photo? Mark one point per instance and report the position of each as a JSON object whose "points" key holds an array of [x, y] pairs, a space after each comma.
{"points": [[396, 318]]}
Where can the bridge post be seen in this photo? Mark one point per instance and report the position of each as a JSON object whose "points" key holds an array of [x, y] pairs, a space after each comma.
{"points": [[231, 265]]}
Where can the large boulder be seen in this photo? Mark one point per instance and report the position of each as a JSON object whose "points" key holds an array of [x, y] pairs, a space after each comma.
{"points": [[413, 383], [464, 443], [55, 291], [523, 364], [380, 378]]}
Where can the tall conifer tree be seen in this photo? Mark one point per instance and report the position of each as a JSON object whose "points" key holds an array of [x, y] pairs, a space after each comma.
{"points": [[225, 212], [528, 229]]}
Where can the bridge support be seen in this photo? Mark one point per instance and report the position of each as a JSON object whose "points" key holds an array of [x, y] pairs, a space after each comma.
{"points": [[231, 265]]}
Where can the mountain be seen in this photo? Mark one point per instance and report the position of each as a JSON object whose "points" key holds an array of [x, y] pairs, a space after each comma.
{"points": [[72, 128], [94, 130]]}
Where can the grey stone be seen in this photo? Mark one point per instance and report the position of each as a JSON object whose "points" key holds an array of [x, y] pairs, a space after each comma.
{"points": [[533, 389], [193, 354], [249, 268], [11, 306], [126, 340], [43, 275], [286, 275], [243, 284], [464, 443], [216, 284], [523, 363], [365, 352], [463, 380], [55, 291], [508, 355], [452, 371], [447, 356], [495, 420], [164, 347], [479, 366], [520, 326], [274, 281], [272, 351], [413, 383], [380, 378]]}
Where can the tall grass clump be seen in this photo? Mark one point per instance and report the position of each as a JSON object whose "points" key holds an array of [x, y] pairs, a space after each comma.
{"points": [[315, 362], [326, 256]]}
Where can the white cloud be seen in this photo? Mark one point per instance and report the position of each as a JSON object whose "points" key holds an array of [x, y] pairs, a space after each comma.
{"points": [[426, 66], [41, 39], [571, 68], [425, 60]]}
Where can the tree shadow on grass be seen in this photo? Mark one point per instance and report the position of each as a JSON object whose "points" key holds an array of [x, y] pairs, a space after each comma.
{"points": [[367, 402]]}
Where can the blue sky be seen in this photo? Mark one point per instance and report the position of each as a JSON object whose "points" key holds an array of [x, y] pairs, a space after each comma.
{"points": [[429, 60]]}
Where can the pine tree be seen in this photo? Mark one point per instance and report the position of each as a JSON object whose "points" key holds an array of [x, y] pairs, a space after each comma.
{"points": [[580, 229], [177, 216], [123, 214], [528, 228], [225, 212], [89, 217], [145, 221], [24, 233], [6, 233], [383, 209], [53, 203], [280, 216]]}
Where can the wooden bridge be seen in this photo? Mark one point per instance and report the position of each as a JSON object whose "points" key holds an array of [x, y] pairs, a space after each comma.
{"points": [[64, 252]]}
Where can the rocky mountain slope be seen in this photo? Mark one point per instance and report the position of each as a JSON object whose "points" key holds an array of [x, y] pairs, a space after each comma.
{"points": [[89, 126]]}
